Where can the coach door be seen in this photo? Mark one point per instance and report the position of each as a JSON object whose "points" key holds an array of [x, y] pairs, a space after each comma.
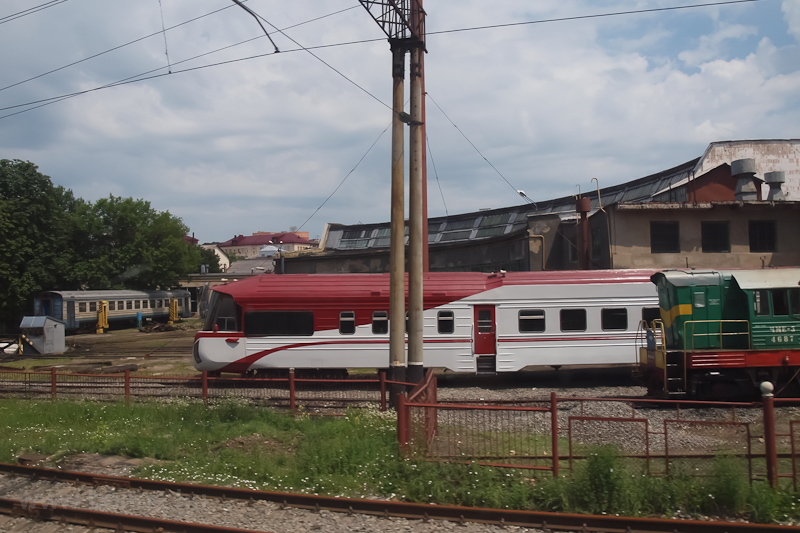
{"points": [[485, 339]]}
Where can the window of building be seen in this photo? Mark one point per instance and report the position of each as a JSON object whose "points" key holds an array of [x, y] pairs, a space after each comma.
{"points": [[763, 236], [614, 319], [573, 320], [664, 237], [93, 307], [380, 322], [81, 307], [278, 323], [715, 237], [531, 320], [445, 322], [347, 322]]}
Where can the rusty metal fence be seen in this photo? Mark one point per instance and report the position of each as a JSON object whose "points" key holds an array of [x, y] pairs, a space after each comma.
{"points": [[655, 437], [313, 396]]}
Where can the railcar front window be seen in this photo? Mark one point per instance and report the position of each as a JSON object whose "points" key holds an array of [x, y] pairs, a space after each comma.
{"points": [[224, 313]]}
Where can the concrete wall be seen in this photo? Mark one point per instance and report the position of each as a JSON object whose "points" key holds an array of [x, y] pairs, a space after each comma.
{"points": [[630, 229]]}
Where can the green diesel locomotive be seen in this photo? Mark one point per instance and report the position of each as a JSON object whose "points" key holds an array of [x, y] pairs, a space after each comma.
{"points": [[722, 333]]}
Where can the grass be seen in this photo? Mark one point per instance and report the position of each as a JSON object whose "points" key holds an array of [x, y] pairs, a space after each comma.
{"points": [[235, 444]]}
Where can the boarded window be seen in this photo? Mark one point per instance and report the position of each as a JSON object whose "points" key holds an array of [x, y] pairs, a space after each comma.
{"points": [[531, 320], [380, 322], [445, 322], [347, 322], [614, 319], [573, 319], [279, 323]]}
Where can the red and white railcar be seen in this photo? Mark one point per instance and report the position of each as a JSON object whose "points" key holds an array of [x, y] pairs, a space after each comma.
{"points": [[472, 322]]}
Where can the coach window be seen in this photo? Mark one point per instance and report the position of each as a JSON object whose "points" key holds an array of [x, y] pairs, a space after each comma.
{"points": [[158, 303], [380, 322], [111, 305], [128, 304], [531, 320], [445, 322], [152, 304], [93, 307], [347, 322], [279, 323], [81, 307], [614, 319], [144, 304], [573, 320], [137, 304]]}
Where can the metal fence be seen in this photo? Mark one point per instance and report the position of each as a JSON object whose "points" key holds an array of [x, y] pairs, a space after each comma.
{"points": [[325, 396], [657, 437]]}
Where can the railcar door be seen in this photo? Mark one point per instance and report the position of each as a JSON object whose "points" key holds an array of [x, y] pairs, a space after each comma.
{"points": [[485, 339]]}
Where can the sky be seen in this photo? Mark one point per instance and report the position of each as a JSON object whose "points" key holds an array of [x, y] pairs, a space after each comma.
{"points": [[233, 138]]}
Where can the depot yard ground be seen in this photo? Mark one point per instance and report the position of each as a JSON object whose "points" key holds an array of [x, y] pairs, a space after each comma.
{"points": [[356, 455]]}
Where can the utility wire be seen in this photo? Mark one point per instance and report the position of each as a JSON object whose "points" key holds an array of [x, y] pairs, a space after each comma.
{"points": [[30, 11], [347, 176], [435, 173], [471, 143]]}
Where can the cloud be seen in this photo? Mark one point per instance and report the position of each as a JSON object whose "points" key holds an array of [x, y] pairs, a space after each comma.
{"points": [[713, 45]]}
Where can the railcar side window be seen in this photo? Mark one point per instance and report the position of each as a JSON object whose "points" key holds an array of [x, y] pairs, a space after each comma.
{"points": [[380, 322], [794, 302], [531, 321], [445, 322], [761, 302], [650, 313], [614, 319], [144, 304], [279, 323], [93, 307], [347, 322], [780, 302], [573, 320], [152, 304], [81, 307], [128, 304], [121, 305], [111, 305], [137, 304]]}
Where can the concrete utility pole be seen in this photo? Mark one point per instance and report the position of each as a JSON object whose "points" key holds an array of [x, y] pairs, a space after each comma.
{"points": [[403, 21]]}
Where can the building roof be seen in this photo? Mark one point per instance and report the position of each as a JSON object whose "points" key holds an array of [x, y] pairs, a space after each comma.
{"points": [[505, 220], [262, 239]]}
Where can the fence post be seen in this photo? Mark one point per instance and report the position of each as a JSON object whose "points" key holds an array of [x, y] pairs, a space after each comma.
{"points": [[554, 423], [402, 422], [205, 385], [53, 382], [127, 386], [382, 376], [292, 405], [770, 448]]}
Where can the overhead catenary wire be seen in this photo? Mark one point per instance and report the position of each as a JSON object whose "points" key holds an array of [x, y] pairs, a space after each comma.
{"points": [[435, 173], [30, 11], [164, 33]]}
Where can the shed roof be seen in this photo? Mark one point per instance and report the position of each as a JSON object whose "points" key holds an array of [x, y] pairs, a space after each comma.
{"points": [[767, 278]]}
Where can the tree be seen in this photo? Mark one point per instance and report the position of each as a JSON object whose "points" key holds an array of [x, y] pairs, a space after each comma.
{"points": [[34, 224], [208, 257]]}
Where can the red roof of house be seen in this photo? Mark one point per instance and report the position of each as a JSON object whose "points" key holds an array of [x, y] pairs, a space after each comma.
{"points": [[263, 239]]}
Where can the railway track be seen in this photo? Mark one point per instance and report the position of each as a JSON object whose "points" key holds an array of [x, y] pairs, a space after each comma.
{"points": [[542, 521]]}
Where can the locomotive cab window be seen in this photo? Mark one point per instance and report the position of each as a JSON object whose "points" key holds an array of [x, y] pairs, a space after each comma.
{"points": [[761, 302], [531, 320], [614, 319], [347, 322], [223, 313], [445, 322], [279, 323], [794, 302], [573, 320], [650, 313], [380, 322], [780, 302]]}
